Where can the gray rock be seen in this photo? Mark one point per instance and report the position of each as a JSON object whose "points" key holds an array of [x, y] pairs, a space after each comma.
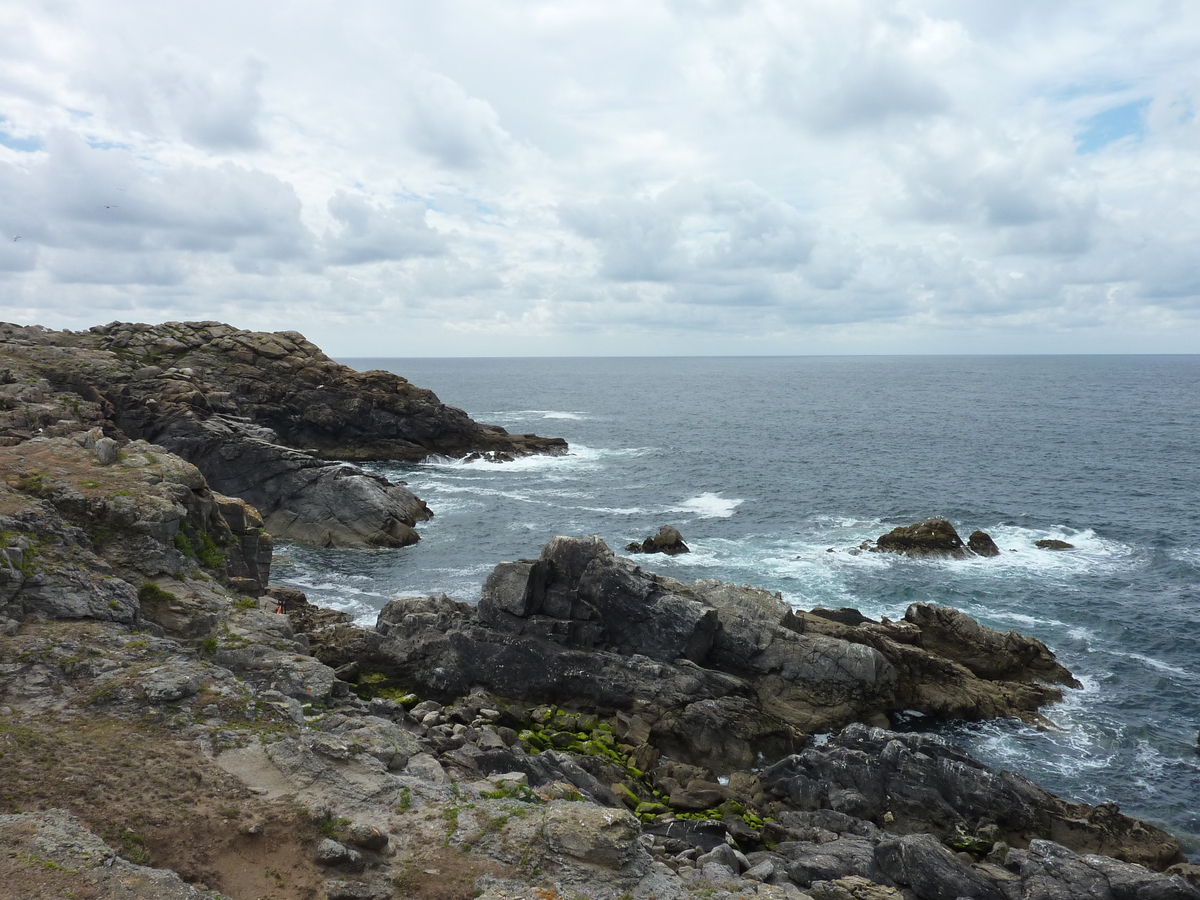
{"points": [[107, 451], [592, 834], [1053, 872], [809, 862], [921, 862]]}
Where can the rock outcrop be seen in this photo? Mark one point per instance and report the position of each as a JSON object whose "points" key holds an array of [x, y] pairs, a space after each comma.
{"points": [[931, 538], [261, 415], [723, 673]]}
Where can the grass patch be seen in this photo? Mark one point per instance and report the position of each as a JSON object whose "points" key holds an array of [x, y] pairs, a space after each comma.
{"points": [[209, 555], [150, 592]]}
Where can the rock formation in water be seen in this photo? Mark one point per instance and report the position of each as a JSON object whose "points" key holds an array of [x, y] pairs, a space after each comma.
{"points": [[668, 541], [261, 415]]}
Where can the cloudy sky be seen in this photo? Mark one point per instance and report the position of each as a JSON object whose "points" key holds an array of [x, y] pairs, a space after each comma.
{"points": [[466, 178]]}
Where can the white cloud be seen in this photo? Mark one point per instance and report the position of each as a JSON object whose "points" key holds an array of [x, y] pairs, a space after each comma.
{"points": [[680, 176]]}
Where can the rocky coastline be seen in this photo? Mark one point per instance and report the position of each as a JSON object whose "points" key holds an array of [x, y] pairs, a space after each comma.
{"points": [[172, 725], [266, 417]]}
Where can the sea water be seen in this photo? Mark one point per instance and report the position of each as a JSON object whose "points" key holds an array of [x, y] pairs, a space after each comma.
{"points": [[773, 468]]}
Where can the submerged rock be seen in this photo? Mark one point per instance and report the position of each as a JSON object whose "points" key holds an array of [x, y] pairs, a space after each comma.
{"points": [[1053, 544]]}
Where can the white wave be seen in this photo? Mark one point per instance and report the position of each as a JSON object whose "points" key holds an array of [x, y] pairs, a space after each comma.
{"points": [[1154, 663], [613, 510], [306, 582], [554, 414], [708, 506], [509, 416], [1022, 619]]}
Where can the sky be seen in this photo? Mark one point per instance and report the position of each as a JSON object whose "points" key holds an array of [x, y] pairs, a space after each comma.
{"points": [[659, 177]]}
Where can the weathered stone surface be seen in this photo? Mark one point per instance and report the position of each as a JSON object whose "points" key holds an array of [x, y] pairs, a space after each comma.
{"points": [[51, 848], [603, 837], [84, 540], [1053, 544], [1054, 872], [922, 863]]}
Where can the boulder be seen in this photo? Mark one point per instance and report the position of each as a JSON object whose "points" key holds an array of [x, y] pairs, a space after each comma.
{"points": [[922, 863], [981, 544], [1053, 544]]}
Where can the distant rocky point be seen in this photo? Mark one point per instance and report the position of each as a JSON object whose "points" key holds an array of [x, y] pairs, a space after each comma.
{"points": [[262, 415]]}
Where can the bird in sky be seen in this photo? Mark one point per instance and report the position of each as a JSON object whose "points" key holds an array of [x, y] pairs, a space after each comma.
{"points": [[16, 237]]}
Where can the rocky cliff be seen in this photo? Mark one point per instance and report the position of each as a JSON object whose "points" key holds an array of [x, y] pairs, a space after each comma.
{"points": [[261, 415]]}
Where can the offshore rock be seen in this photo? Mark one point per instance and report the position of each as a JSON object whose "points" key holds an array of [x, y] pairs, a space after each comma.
{"points": [[668, 541], [931, 538], [261, 415], [1053, 544], [981, 544], [723, 673]]}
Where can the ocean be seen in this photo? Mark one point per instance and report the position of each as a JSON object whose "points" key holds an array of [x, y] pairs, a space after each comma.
{"points": [[773, 467]]}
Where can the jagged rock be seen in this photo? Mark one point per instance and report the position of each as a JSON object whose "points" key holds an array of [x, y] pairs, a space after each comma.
{"points": [[922, 863], [1008, 656], [981, 544], [1053, 544], [723, 673], [668, 541], [1052, 870], [921, 783], [90, 541]]}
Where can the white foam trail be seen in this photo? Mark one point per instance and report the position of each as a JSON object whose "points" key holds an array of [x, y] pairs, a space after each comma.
{"points": [[613, 510], [1022, 619], [708, 506], [1154, 663]]}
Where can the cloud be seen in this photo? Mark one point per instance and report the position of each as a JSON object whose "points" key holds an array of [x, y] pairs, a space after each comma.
{"points": [[371, 233], [711, 175], [443, 121], [848, 67], [104, 220], [694, 231]]}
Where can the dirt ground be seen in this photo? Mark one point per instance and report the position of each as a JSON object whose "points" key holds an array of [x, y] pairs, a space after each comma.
{"points": [[156, 800]]}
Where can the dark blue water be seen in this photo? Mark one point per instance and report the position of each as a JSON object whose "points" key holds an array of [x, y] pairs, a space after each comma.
{"points": [[765, 463]]}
